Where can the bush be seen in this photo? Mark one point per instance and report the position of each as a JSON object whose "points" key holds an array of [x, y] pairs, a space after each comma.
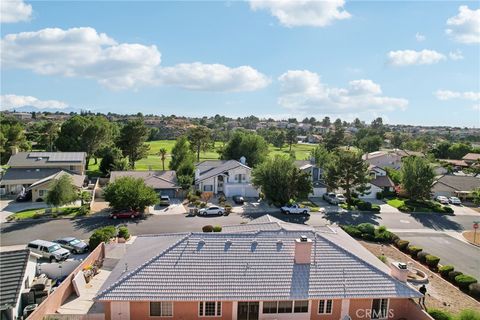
{"points": [[382, 258], [193, 198], [368, 237], [382, 235], [422, 256], [405, 208], [447, 209], [402, 244], [394, 237], [37, 215], [453, 274], [367, 228], [222, 199], [217, 228], [413, 250], [203, 205], [207, 228], [101, 235], [432, 261], [123, 233], [439, 314], [469, 314], [375, 208], [463, 281], [474, 290], [228, 208], [379, 195], [445, 270], [352, 231], [364, 206], [83, 210]]}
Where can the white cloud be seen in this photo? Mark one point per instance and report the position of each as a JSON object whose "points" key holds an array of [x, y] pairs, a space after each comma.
{"points": [[465, 26], [448, 94], [83, 52], [212, 77], [420, 37], [412, 57], [456, 55], [293, 13], [14, 11], [303, 90], [11, 101]]}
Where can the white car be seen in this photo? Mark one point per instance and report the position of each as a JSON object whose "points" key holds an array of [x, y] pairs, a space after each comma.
{"points": [[341, 198], [212, 211], [454, 200], [442, 199], [295, 209]]}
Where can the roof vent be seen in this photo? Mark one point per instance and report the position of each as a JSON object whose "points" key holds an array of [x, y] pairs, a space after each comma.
{"points": [[303, 238], [228, 241], [279, 242], [39, 158]]}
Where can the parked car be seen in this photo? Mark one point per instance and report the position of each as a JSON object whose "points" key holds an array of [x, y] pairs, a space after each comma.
{"points": [[238, 199], [127, 213], [442, 199], [295, 209], [212, 210], [73, 244], [49, 250], [24, 196], [341, 198], [454, 200], [331, 198], [164, 200]]}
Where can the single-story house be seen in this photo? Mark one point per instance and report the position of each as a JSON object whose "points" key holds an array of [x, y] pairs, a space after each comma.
{"points": [[460, 164], [379, 182], [17, 273], [451, 185], [164, 182], [316, 174], [389, 158], [40, 188], [230, 177], [472, 158], [265, 269]]}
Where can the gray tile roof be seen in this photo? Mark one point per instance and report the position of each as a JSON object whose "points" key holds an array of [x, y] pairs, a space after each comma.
{"points": [[13, 174], [156, 179], [382, 181], [37, 159], [459, 183], [77, 179], [212, 168], [12, 270], [252, 265]]}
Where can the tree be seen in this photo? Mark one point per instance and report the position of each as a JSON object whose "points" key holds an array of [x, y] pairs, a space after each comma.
{"points": [[200, 139], [181, 152], [44, 133], [397, 140], [321, 155], [370, 143], [458, 150], [130, 193], [417, 177], [334, 139], [249, 145], [281, 181], [12, 137], [278, 139], [132, 141], [347, 170], [326, 122], [291, 138], [441, 150], [476, 196], [61, 192], [163, 156], [112, 160]]}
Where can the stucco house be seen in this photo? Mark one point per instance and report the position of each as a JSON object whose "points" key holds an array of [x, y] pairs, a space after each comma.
{"points": [[18, 271], [40, 188], [26, 168], [316, 174], [389, 158], [379, 182], [230, 177], [472, 158], [266, 269], [164, 182], [451, 185]]}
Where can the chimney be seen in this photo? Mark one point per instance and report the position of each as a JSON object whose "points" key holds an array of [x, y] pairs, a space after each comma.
{"points": [[303, 250], [243, 160], [197, 173], [14, 150], [399, 271]]}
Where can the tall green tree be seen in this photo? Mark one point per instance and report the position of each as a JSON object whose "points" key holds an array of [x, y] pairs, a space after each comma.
{"points": [[112, 160], [334, 139], [279, 138], [12, 137], [61, 192], [280, 180], [370, 143], [249, 145], [130, 193], [44, 133], [347, 170], [163, 156], [417, 177], [181, 152], [291, 138], [321, 155], [131, 141], [200, 139], [397, 140]]}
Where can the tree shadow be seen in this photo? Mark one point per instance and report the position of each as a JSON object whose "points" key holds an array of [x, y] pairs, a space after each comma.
{"points": [[349, 218], [89, 224], [8, 227], [436, 221]]}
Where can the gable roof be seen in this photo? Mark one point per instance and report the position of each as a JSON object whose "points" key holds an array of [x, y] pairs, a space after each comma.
{"points": [[37, 159], [12, 266], [212, 168], [459, 183], [257, 264], [471, 156], [77, 179], [14, 174], [156, 179], [382, 181]]}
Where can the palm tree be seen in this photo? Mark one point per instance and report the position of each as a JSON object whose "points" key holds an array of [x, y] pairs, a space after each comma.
{"points": [[163, 155]]}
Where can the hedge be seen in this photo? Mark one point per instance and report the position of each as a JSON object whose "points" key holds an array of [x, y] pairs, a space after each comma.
{"points": [[432, 261], [352, 231], [207, 228], [123, 232], [413, 250], [422, 256], [439, 314], [469, 314], [101, 235], [453, 274], [217, 229], [463, 281], [367, 228], [445, 270], [474, 290], [402, 244]]}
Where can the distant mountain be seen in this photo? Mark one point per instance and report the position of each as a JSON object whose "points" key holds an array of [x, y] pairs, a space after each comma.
{"points": [[52, 110]]}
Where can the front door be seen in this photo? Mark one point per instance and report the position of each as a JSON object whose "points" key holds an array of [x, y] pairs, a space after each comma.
{"points": [[247, 311]]}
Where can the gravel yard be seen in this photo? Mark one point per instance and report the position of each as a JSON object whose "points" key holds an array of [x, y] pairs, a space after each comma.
{"points": [[440, 293]]}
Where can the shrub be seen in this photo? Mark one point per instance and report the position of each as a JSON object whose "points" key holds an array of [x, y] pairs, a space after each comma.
{"points": [[367, 228], [101, 235], [375, 207], [422, 256], [474, 290], [352, 231], [439, 314], [463, 281], [469, 314], [379, 195], [203, 205], [453, 274], [432, 261], [207, 228], [222, 199], [217, 228], [194, 198], [228, 208], [83, 210], [394, 237], [413, 250], [405, 208], [447, 209], [368, 237], [123, 232], [445, 270], [382, 235], [382, 258], [36, 216], [364, 206], [402, 244]]}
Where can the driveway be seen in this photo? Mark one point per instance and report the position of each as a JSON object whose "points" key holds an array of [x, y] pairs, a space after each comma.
{"points": [[464, 211], [175, 207]]}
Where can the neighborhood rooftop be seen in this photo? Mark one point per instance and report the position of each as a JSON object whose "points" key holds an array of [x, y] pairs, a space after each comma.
{"points": [[154, 179], [12, 266], [22, 159], [211, 168]]}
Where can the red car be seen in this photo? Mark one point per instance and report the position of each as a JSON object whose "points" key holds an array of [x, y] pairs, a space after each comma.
{"points": [[124, 214]]}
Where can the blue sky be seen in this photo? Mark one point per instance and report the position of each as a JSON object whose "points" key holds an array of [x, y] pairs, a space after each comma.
{"points": [[409, 62]]}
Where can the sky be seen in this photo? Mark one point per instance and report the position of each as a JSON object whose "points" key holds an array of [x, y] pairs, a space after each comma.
{"points": [[409, 62]]}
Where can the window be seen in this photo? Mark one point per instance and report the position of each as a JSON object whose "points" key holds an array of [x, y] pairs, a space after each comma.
{"points": [[240, 177], [270, 307], [284, 306], [301, 306], [379, 308], [208, 187], [161, 309], [41, 193], [210, 309], [32, 246], [325, 307]]}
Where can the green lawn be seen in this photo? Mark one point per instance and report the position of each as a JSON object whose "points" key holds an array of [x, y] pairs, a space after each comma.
{"points": [[396, 203], [40, 212], [407, 205]]}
